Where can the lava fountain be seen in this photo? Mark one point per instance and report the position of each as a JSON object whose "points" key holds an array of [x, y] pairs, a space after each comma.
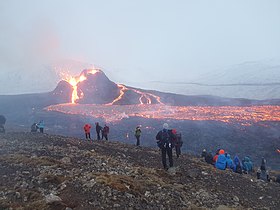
{"points": [[73, 81]]}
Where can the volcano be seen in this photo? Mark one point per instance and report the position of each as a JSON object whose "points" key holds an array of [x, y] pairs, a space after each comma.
{"points": [[205, 121], [92, 86]]}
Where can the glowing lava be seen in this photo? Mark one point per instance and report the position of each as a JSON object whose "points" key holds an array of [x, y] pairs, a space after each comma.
{"points": [[122, 91], [73, 81], [245, 116], [147, 96]]}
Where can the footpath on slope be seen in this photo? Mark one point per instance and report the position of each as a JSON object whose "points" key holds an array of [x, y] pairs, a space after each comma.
{"points": [[41, 171]]}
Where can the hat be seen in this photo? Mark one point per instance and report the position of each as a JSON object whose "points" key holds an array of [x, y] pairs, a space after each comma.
{"points": [[221, 152], [165, 126]]}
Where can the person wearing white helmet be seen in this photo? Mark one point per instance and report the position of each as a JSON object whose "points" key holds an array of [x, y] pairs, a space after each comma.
{"points": [[165, 138]]}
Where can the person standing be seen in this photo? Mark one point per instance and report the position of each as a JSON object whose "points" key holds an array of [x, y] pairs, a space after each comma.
{"points": [[137, 134], [165, 138], [105, 132], [87, 128], [98, 129], [41, 126], [178, 142], [262, 172]]}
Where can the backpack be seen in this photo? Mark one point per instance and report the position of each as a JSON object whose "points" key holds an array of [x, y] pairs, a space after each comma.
{"points": [[164, 139], [137, 132]]}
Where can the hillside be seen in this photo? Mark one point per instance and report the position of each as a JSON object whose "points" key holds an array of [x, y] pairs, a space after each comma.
{"points": [[40, 171]]}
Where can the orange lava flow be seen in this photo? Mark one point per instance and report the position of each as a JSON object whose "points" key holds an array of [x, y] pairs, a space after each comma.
{"points": [[228, 114], [74, 82], [143, 95], [122, 90]]}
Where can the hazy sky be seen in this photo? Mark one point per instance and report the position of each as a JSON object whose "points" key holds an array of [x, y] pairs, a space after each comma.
{"points": [[133, 41]]}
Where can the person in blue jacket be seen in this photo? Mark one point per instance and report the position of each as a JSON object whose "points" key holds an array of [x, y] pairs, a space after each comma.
{"points": [[221, 162], [247, 165], [41, 126], [229, 161], [237, 165]]}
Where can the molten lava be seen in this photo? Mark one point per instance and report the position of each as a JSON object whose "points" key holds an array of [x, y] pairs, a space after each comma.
{"points": [[245, 116], [73, 81], [150, 106]]}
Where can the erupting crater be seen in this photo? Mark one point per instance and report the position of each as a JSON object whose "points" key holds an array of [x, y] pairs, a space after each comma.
{"points": [[93, 94], [92, 86]]}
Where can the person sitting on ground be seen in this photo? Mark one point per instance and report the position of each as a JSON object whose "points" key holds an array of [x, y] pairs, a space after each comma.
{"points": [[34, 127], [262, 172], [208, 157], [237, 166], [229, 161], [216, 156], [221, 162], [247, 165], [204, 153]]}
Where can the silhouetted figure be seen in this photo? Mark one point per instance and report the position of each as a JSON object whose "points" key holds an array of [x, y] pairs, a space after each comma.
{"points": [[237, 165], [262, 172], [41, 126], [203, 153], [87, 128], [34, 128], [165, 138], [2, 123], [137, 135], [98, 129], [247, 165], [105, 132], [178, 142]]}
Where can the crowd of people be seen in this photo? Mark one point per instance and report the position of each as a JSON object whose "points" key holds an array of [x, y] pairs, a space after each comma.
{"points": [[101, 132], [38, 126], [222, 161], [167, 139]]}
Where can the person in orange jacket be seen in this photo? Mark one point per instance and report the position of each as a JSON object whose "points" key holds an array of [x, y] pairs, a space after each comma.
{"points": [[87, 128]]}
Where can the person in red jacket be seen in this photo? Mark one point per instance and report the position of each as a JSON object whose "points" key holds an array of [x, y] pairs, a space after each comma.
{"points": [[87, 128]]}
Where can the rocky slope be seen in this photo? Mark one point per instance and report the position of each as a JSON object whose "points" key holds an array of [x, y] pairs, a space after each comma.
{"points": [[40, 171]]}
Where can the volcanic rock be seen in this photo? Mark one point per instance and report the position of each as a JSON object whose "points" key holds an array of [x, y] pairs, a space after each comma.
{"points": [[97, 89], [63, 91], [76, 174]]}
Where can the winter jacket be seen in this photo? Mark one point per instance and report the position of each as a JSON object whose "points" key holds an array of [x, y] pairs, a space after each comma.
{"points": [[247, 164], [229, 161], [105, 130], [87, 128], [237, 166], [41, 124], [137, 132], [221, 162]]}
